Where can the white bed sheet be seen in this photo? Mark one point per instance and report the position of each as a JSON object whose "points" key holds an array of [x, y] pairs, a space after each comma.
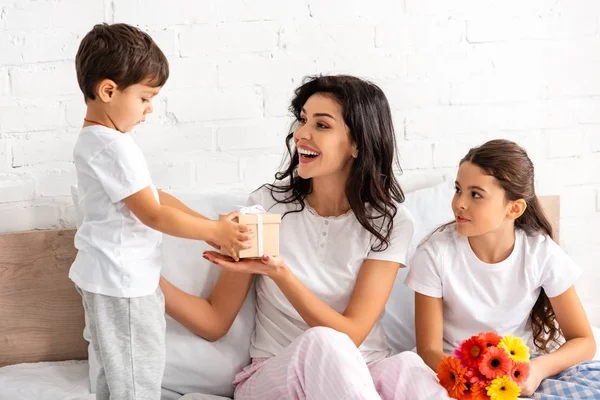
{"points": [[65, 380], [68, 380]]}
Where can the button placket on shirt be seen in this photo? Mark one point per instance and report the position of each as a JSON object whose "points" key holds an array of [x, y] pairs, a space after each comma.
{"points": [[323, 233]]}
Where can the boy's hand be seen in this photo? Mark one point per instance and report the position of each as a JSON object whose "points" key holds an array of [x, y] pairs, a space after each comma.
{"points": [[231, 236]]}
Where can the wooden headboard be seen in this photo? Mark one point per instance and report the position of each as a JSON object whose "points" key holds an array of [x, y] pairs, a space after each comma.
{"points": [[41, 315]]}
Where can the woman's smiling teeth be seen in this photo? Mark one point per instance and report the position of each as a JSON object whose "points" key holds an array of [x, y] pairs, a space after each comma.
{"points": [[307, 153]]}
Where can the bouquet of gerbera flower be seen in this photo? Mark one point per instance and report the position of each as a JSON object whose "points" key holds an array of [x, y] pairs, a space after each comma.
{"points": [[486, 366]]}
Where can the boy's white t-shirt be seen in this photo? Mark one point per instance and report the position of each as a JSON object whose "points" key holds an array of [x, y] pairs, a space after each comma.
{"points": [[325, 254], [480, 297], [117, 255]]}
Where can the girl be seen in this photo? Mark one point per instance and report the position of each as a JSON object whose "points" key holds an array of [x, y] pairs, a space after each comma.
{"points": [[343, 237], [496, 268]]}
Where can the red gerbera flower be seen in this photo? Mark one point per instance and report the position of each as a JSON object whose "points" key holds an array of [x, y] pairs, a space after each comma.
{"points": [[472, 350], [491, 339], [495, 362], [451, 376], [520, 372]]}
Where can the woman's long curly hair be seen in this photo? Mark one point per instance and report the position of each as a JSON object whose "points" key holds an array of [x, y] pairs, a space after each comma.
{"points": [[372, 189]]}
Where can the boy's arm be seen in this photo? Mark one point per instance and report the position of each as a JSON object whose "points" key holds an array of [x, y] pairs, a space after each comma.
{"points": [[175, 222], [168, 200]]}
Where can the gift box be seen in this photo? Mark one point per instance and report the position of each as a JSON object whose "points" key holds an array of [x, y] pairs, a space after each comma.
{"points": [[266, 227]]}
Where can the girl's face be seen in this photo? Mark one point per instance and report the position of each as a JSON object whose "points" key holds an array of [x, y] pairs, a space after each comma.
{"points": [[322, 139], [479, 204]]}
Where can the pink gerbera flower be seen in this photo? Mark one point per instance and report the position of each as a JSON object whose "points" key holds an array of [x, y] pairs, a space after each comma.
{"points": [[495, 362], [519, 372]]}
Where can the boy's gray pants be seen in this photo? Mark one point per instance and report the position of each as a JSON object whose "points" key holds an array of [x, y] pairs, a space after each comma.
{"points": [[128, 336]]}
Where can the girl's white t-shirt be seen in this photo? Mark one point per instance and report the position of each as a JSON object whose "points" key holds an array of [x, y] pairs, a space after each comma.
{"points": [[480, 297], [325, 254]]}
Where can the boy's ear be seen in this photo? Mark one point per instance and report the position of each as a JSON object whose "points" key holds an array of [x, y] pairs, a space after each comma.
{"points": [[517, 209], [106, 90]]}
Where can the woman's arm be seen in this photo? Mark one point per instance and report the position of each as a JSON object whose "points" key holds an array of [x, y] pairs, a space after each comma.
{"points": [[580, 344], [371, 292], [209, 318], [429, 329]]}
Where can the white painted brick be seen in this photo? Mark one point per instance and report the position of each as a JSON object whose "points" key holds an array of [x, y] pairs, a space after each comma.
{"points": [[5, 155], [572, 69], [15, 187], [4, 83], [569, 171], [42, 148], [449, 154], [593, 138], [383, 63], [45, 80], [578, 201], [277, 99], [266, 133], [29, 116], [261, 10], [11, 48], [17, 217], [198, 40], [166, 39], [403, 93], [172, 174], [217, 169], [247, 37], [168, 143], [191, 72], [496, 29], [598, 200], [256, 69], [62, 46], [75, 110], [565, 142], [214, 104], [260, 169], [54, 180], [32, 15], [410, 32], [355, 10], [415, 154], [154, 12], [66, 216], [326, 39]]}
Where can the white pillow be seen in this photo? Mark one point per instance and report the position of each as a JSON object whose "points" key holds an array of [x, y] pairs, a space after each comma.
{"points": [[431, 207], [194, 365]]}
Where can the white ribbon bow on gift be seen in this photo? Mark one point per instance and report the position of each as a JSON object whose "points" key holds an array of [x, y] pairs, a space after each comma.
{"points": [[257, 210]]}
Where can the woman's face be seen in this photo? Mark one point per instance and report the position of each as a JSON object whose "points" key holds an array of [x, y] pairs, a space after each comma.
{"points": [[322, 139]]}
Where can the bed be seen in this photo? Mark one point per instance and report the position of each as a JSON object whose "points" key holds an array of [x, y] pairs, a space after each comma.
{"points": [[43, 354]]}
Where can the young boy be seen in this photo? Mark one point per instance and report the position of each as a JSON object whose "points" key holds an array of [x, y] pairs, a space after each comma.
{"points": [[120, 69]]}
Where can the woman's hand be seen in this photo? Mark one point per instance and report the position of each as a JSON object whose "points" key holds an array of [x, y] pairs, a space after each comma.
{"points": [[534, 380], [267, 265]]}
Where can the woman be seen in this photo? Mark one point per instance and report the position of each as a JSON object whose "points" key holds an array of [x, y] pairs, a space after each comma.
{"points": [[342, 239]]}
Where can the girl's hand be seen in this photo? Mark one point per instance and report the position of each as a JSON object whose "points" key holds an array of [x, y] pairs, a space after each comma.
{"points": [[270, 266], [534, 380]]}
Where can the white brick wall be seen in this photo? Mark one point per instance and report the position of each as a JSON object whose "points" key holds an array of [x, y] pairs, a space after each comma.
{"points": [[456, 73]]}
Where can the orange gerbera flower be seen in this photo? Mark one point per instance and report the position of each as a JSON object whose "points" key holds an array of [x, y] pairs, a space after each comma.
{"points": [[479, 392], [495, 362], [520, 372], [491, 339], [472, 350], [452, 376]]}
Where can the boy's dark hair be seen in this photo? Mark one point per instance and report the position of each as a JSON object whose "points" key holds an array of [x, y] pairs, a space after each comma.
{"points": [[121, 53]]}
